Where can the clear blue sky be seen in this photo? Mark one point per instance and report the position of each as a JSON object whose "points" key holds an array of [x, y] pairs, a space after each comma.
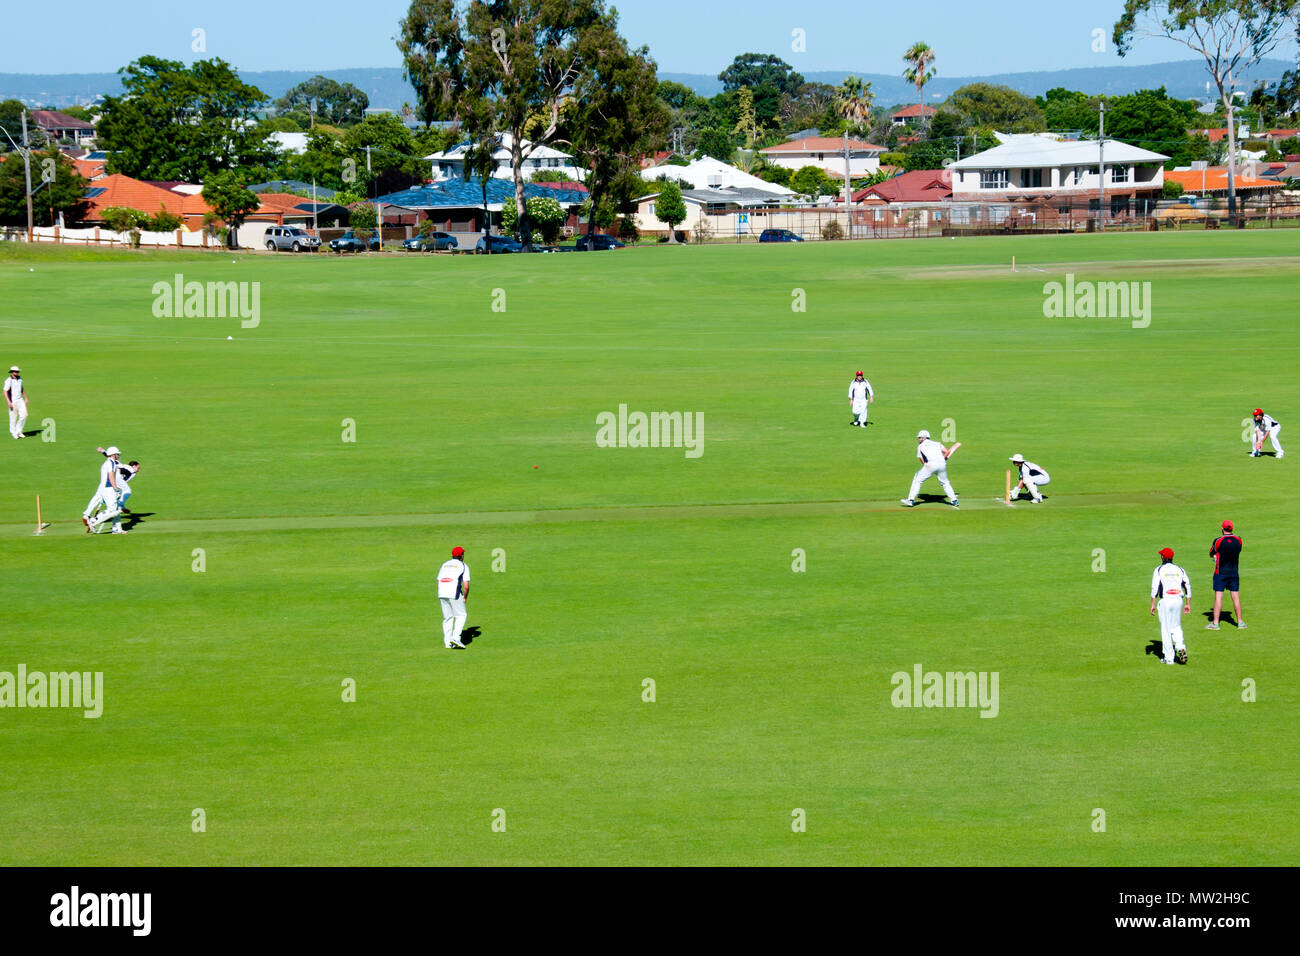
{"points": [[685, 36]]}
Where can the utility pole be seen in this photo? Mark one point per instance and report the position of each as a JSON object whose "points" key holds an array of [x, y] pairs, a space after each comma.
{"points": [[848, 188], [1101, 166], [27, 172], [314, 229]]}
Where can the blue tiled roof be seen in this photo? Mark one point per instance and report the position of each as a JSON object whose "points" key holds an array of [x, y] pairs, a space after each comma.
{"points": [[461, 192]]}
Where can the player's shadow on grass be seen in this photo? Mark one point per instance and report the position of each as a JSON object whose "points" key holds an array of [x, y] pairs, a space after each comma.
{"points": [[31, 434], [135, 518], [1155, 646], [926, 498], [468, 634]]}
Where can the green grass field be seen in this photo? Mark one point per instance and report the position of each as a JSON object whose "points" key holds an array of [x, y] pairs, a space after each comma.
{"points": [[223, 689]]}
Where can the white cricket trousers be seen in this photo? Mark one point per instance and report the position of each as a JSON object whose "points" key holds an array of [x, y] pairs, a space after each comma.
{"points": [[1170, 612], [860, 409], [1272, 435], [453, 619], [18, 418], [1033, 484], [939, 471], [112, 507]]}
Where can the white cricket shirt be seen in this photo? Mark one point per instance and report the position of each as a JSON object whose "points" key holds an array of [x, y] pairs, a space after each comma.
{"points": [[859, 391], [1169, 580], [452, 576], [930, 452]]}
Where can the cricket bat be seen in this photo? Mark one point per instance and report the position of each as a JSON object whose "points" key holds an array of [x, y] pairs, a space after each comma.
{"points": [[955, 446]]}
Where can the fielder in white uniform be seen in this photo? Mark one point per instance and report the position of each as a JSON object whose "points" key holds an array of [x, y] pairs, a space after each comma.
{"points": [[453, 590], [1031, 477], [1170, 591], [934, 462], [107, 494], [1266, 426], [16, 399], [860, 398]]}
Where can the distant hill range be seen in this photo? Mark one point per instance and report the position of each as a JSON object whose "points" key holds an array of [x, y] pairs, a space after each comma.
{"points": [[1184, 79]]}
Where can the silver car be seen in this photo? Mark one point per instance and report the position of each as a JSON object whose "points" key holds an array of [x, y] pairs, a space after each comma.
{"points": [[290, 237]]}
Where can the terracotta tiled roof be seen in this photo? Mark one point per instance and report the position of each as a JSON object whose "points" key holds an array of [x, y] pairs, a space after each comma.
{"points": [[90, 169], [916, 109], [120, 190], [821, 144], [1216, 178], [920, 185]]}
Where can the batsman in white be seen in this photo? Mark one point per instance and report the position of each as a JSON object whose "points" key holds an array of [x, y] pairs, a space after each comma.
{"points": [[1031, 477], [1171, 590], [860, 398], [1266, 426], [934, 462], [125, 474], [16, 399], [108, 493], [453, 591]]}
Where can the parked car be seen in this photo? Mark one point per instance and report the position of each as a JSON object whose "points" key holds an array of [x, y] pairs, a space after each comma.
{"points": [[432, 242], [349, 242], [598, 241], [779, 235], [290, 237], [495, 245]]}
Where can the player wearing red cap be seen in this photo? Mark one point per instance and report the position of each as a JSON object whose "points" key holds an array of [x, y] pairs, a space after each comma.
{"points": [[860, 398], [1226, 551], [1169, 589], [453, 591], [1266, 426]]}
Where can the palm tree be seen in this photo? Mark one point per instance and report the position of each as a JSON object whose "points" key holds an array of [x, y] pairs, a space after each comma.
{"points": [[853, 101], [919, 73]]}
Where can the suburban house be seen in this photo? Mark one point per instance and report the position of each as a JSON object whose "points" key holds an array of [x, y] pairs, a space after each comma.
{"points": [[180, 199], [648, 224], [148, 198], [57, 126], [913, 115], [455, 205], [450, 164], [1038, 168], [1288, 169], [707, 173], [1213, 181], [826, 152], [287, 209], [920, 185]]}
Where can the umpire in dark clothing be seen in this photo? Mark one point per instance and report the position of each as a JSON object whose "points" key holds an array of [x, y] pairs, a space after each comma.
{"points": [[1226, 551]]}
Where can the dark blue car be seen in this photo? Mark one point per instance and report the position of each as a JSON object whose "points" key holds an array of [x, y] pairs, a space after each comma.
{"points": [[598, 241], [779, 235], [494, 245]]}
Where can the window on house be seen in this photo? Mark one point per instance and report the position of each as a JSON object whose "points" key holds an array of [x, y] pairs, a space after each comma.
{"points": [[993, 179], [1031, 179], [1119, 174]]}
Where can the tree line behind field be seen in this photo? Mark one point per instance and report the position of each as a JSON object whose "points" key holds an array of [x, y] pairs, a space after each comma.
{"points": [[559, 73]]}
